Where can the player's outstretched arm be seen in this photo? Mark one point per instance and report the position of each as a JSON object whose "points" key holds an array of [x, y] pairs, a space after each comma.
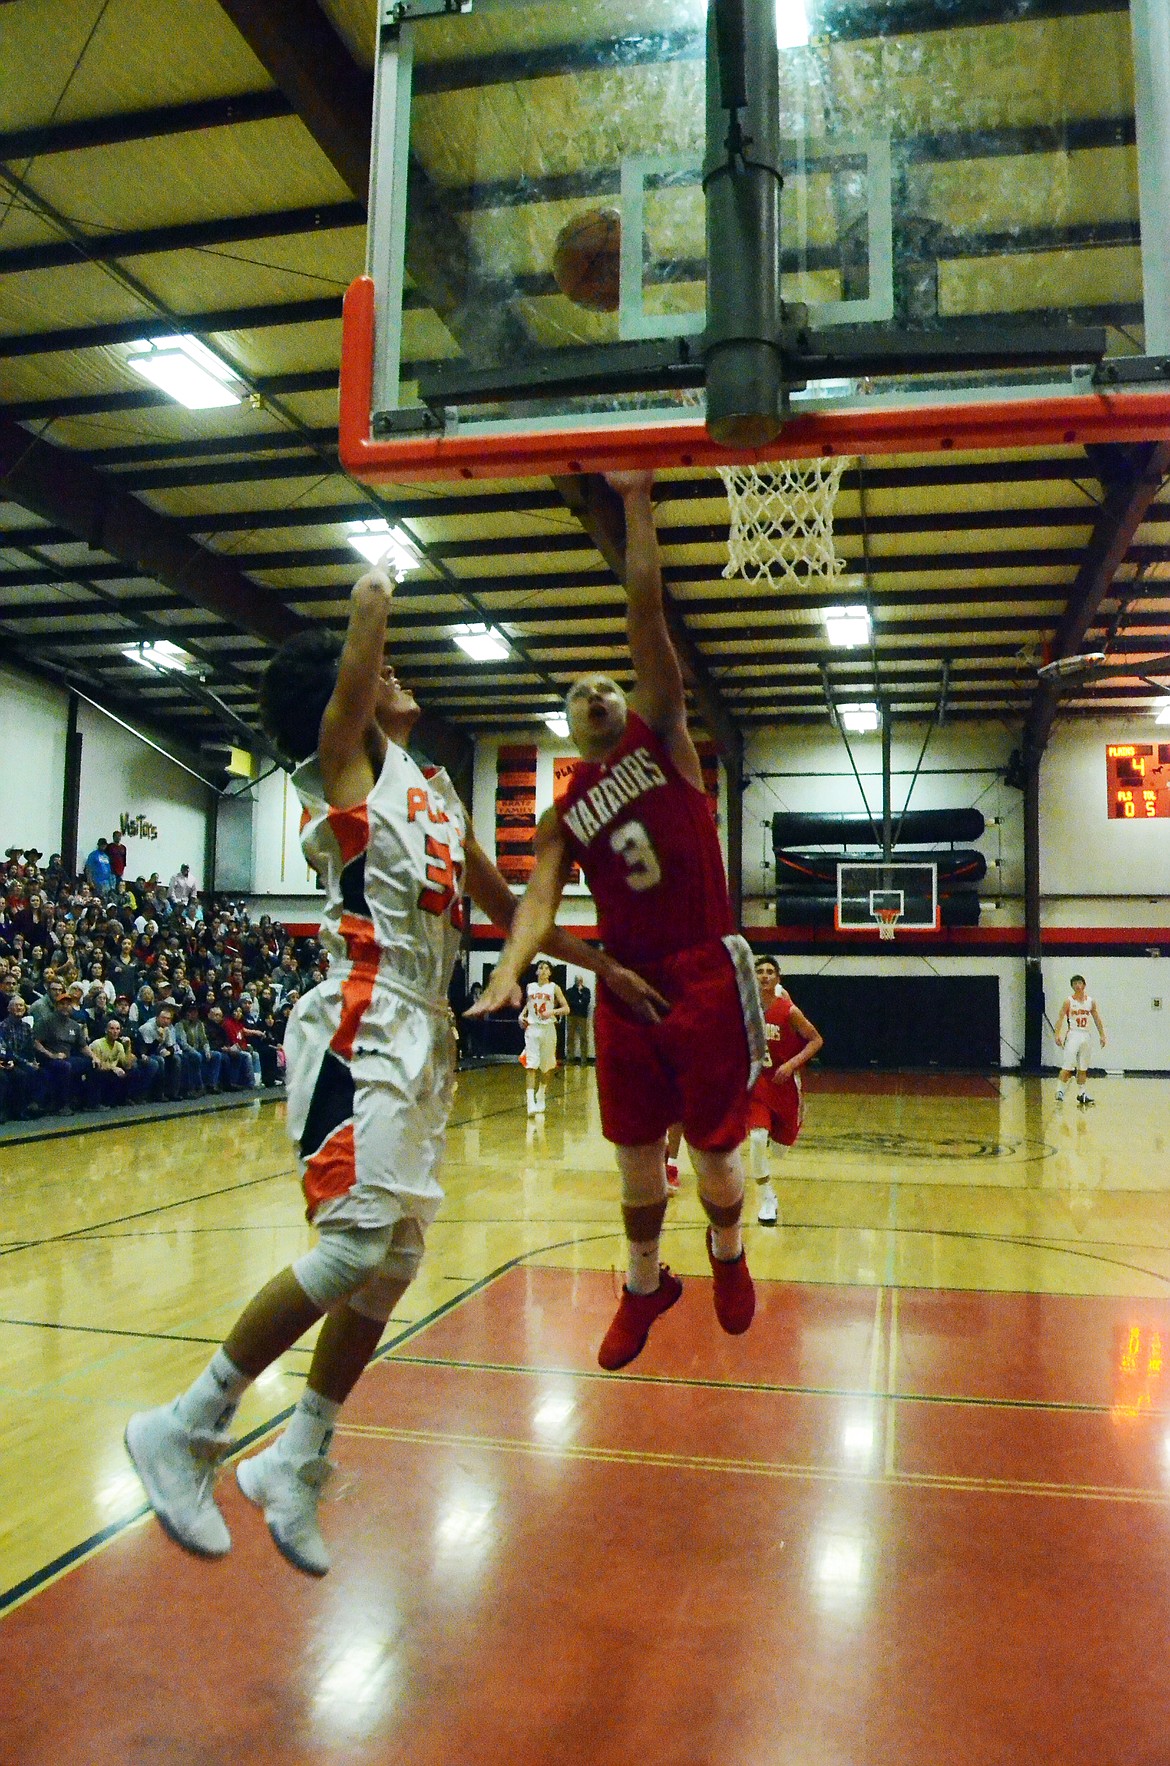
{"points": [[659, 693], [533, 916], [345, 767]]}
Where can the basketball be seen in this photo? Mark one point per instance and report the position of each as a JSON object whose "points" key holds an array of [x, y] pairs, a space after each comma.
{"points": [[586, 260]]}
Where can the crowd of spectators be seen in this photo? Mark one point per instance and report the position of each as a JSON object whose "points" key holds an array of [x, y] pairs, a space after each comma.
{"points": [[117, 991]]}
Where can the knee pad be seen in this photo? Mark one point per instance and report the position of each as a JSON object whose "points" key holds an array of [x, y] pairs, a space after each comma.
{"points": [[720, 1177], [341, 1261], [643, 1172], [377, 1297]]}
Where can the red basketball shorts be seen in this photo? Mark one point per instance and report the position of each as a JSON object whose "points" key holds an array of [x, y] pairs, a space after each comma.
{"points": [[778, 1108], [693, 1067]]}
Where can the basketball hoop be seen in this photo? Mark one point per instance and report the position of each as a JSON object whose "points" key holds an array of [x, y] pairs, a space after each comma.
{"points": [[782, 521], [887, 919]]}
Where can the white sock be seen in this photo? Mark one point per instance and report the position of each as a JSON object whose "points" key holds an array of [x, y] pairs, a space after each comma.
{"points": [[642, 1266], [759, 1154], [1059, 1092], [212, 1400], [310, 1428], [726, 1242]]}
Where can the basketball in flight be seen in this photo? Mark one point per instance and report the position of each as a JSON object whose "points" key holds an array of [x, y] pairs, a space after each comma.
{"points": [[587, 257]]}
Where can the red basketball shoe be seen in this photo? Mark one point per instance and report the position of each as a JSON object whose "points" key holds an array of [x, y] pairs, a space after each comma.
{"points": [[626, 1336], [735, 1297]]}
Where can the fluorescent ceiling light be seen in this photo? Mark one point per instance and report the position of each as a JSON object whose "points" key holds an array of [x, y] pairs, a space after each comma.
{"points": [[861, 719], [1163, 716], [791, 24], [847, 628], [187, 371], [558, 723], [159, 657], [378, 541], [481, 642]]}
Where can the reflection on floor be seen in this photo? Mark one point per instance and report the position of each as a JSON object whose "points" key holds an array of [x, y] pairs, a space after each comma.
{"points": [[919, 1513]]}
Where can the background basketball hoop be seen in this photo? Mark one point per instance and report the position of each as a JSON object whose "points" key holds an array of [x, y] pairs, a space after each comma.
{"points": [[887, 919]]}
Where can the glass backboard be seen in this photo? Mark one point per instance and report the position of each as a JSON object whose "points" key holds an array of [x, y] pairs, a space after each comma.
{"points": [[952, 169]]}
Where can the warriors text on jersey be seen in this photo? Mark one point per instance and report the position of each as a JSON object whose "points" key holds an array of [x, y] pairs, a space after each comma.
{"points": [[646, 840]]}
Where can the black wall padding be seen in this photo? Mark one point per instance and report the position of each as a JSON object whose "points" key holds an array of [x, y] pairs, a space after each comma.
{"points": [[806, 909], [945, 1021], [919, 827], [810, 871]]}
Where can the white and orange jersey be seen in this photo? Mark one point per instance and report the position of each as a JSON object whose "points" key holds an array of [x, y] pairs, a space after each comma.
{"points": [[393, 874], [1080, 1012], [539, 1001]]}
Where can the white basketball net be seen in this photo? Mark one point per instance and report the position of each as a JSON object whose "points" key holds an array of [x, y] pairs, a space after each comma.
{"points": [[782, 520]]}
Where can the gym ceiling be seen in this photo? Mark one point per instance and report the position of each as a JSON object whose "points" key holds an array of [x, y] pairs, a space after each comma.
{"points": [[199, 166]]}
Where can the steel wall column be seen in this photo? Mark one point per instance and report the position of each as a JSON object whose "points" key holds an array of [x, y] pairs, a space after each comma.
{"points": [[71, 795], [1033, 974]]}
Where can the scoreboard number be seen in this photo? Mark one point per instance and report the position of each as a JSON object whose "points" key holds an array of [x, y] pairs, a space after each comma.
{"points": [[1139, 780]]}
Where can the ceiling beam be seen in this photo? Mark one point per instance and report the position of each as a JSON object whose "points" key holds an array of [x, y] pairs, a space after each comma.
{"points": [[52, 484], [1131, 477], [142, 125], [183, 236], [254, 318]]}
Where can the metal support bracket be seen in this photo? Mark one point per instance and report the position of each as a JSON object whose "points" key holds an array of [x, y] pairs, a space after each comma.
{"points": [[400, 12]]}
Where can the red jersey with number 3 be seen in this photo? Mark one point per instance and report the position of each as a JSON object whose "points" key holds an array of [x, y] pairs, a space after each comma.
{"points": [[392, 868], [646, 840]]}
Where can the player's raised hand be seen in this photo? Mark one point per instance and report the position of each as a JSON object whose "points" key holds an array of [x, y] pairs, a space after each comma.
{"points": [[630, 484], [643, 1000], [379, 579], [496, 995]]}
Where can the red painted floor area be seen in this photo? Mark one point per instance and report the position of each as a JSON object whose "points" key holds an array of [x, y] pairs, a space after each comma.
{"points": [[742, 1553]]}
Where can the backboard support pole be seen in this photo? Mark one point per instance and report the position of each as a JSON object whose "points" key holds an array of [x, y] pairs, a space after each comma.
{"points": [[742, 182]]}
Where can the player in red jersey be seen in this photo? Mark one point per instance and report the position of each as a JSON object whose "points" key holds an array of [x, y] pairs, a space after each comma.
{"points": [[776, 1108], [637, 821]]}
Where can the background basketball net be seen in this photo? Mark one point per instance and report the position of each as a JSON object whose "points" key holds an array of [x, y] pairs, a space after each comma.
{"points": [[782, 521], [887, 919]]}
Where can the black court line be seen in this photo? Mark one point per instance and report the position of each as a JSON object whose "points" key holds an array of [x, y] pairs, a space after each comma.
{"points": [[695, 1382], [99, 1226], [41, 1324], [69, 1559]]}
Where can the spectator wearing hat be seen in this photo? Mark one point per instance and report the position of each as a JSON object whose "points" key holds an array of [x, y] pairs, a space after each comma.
{"points": [[99, 873]]}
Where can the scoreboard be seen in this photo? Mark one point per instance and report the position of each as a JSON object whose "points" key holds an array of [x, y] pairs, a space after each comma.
{"points": [[1139, 780]]}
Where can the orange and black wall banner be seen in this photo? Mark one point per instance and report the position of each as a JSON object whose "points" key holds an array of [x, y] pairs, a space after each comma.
{"points": [[515, 811]]}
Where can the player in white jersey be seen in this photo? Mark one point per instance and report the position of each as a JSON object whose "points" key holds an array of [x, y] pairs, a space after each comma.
{"points": [[370, 1077], [544, 1003], [1073, 1036]]}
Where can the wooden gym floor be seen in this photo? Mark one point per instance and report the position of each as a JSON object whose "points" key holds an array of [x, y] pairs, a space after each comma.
{"points": [[919, 1515]]}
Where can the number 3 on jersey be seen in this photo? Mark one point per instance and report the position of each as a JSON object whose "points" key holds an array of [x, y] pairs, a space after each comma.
{"points": [[443, 874], [632, 843]]}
